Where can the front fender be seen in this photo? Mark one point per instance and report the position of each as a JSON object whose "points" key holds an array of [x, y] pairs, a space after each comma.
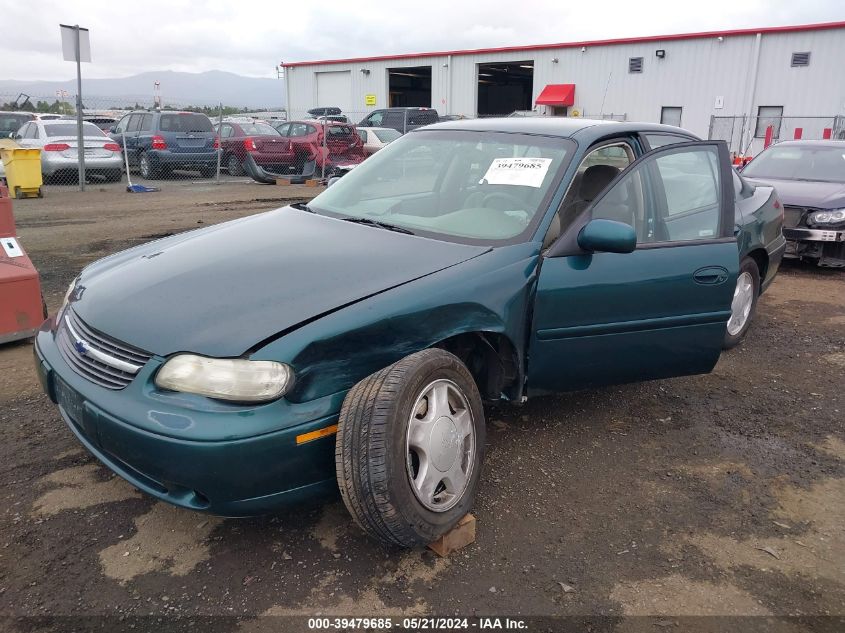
{"points": [[490, 293]]}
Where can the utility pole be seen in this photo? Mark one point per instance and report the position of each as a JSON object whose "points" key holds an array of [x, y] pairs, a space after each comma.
{"points": [[76, 47]]}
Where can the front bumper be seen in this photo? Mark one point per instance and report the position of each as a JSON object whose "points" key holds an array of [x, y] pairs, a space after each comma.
{"points": [[195, 459], [825, 246]]}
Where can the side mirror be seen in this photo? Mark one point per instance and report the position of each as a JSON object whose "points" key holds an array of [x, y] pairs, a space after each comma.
{"points": [[607, 236]]}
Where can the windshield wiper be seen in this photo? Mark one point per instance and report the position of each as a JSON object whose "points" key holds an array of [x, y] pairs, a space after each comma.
{"points": [[381, 225], [303, 207]]}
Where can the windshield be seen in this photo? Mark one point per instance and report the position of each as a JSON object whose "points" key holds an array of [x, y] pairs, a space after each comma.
{"points": [[796, 162], [386, 135], [69, 129], [185, 122], [476, 187]]}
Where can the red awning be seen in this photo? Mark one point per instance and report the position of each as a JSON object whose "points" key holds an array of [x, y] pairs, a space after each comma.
{"points": [[557, 95]]}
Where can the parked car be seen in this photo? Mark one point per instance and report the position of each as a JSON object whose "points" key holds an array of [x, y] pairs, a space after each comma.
{"points": [[351, 341], [57, 140], [343, 146], [810, 179], [11, 122], [259, 140], [161, 141], [375, 138], [105, 123], [400, 119]]}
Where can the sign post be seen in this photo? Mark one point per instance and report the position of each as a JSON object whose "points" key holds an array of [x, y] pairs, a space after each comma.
{"points": [[76, 47]]}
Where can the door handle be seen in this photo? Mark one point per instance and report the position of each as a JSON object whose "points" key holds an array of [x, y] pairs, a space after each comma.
{"points": [[711, 275]]}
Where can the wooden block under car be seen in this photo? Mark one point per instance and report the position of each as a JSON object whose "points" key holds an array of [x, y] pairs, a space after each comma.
{"points": [[282, 181], [457, 538], [312, 183]]}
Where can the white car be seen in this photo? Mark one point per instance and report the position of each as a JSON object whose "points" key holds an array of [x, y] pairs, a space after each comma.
{"points": [[59, 150], [376, 137]]}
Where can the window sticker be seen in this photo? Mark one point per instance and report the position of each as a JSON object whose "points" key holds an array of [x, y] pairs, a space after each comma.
{"points": [[525, 172], [10, 245]]}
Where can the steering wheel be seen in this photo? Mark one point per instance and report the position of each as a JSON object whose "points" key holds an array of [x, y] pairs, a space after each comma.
{"points": [[501, 195]]}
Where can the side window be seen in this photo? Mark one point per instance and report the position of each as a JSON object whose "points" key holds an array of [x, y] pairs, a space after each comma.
{"points": [[298, 129], [661, 140], [134, 122], [284, 130], [32, 131], [310, 129], [673, 197], [363, 134], [146, 123], [376, 118], [227, 130], [121, 127]]}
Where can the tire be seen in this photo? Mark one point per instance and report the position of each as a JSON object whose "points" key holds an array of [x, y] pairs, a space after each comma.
{"points": [[376, 469], [146, 169], [742, 312], [114, 175], [234, 166]]}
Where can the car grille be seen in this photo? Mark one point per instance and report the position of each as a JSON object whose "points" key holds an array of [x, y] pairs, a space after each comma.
{"points": [[792, 216], [97, 357]]}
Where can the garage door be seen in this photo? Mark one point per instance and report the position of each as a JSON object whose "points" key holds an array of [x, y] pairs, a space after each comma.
{"points": [[334, 89]]}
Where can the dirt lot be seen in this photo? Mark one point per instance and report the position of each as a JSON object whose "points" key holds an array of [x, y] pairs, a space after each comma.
{"points": [[721, 494]]}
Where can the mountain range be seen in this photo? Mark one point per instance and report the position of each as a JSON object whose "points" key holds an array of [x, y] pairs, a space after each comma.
{"points": [[176, 88]]}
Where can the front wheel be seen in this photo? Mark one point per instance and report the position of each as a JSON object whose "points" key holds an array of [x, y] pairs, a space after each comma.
{"points": [[234, 166], [410, 446], [744, 303]]}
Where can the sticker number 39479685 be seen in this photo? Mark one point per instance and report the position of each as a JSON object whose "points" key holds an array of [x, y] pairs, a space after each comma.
{"points": [[527, 172]]}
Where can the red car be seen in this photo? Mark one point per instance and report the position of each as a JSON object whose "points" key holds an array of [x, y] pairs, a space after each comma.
{"points": [[267, 147], [343, 146]]}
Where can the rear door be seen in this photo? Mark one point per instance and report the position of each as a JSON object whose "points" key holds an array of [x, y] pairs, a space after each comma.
{"points": [[660, 311]]}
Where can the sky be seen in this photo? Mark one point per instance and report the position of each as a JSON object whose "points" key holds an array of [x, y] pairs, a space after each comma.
{"points": [[253, 38]]}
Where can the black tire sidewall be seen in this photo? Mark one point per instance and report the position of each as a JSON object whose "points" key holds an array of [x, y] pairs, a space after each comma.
{"points": [[750, 266], [426, 523], [238, 167]]}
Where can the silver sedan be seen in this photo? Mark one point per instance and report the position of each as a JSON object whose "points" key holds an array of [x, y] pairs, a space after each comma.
{"points": [[59, 149]]}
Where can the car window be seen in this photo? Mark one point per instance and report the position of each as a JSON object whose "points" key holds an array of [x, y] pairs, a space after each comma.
{"points": [[284, 129], [363, 134], [185, 122], [661, 140], [134, 123], [10, 123], [484, 187], [375, 119], [298, 129], [146, 123], [259, 129], [121, 126], [31, 131], [385, 136], [619, 156], [310, 129], [69, 129], [672, 197], [799, 162]]}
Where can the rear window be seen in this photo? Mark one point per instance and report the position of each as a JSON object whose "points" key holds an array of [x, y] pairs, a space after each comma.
{"points": [[11, 122], [385, 136], [257, 129], [185, 122], [69, 129], [422, 117], [340, 130]]}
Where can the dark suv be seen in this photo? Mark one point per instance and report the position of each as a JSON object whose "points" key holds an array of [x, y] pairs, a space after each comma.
{"points": [[401, 119], [159, 142]]}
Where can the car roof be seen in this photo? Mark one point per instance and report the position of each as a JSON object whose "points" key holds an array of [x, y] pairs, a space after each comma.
{"points": [[563, 127]]}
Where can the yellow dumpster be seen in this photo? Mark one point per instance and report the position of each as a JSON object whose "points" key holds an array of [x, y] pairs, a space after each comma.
{"points": [[23, 171]]}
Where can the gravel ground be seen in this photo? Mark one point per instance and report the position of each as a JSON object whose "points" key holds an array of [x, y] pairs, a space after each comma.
{"points": [[721, 494]]}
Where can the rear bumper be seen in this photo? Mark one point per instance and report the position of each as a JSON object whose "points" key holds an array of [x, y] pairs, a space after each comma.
{"points": [[53, 164], [184, 159], [228, 477], [271, 160]]}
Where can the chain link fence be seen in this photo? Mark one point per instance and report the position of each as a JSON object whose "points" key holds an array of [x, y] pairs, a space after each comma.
{"points": [[747, 136], [128, 141]]}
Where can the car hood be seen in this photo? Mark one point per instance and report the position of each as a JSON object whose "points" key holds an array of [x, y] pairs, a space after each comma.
{"points": [[800, 193], [221, 291]]}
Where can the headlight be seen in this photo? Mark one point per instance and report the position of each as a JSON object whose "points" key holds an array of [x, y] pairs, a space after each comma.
{"points": [[827, 217], [226, 379]]}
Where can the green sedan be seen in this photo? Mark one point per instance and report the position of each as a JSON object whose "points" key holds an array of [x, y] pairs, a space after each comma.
{"points": [[352, 342]]}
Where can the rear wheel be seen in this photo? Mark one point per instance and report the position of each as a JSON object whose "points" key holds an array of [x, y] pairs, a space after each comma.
{"points": [[409, 448], [233, 164], [744, 303], [146, 168]]}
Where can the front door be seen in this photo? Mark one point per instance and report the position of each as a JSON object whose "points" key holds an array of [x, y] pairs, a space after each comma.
{"points": [[660, 311]]}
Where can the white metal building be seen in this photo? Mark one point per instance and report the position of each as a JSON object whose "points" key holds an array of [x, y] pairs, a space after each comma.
{"points": [[792, 71]]}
